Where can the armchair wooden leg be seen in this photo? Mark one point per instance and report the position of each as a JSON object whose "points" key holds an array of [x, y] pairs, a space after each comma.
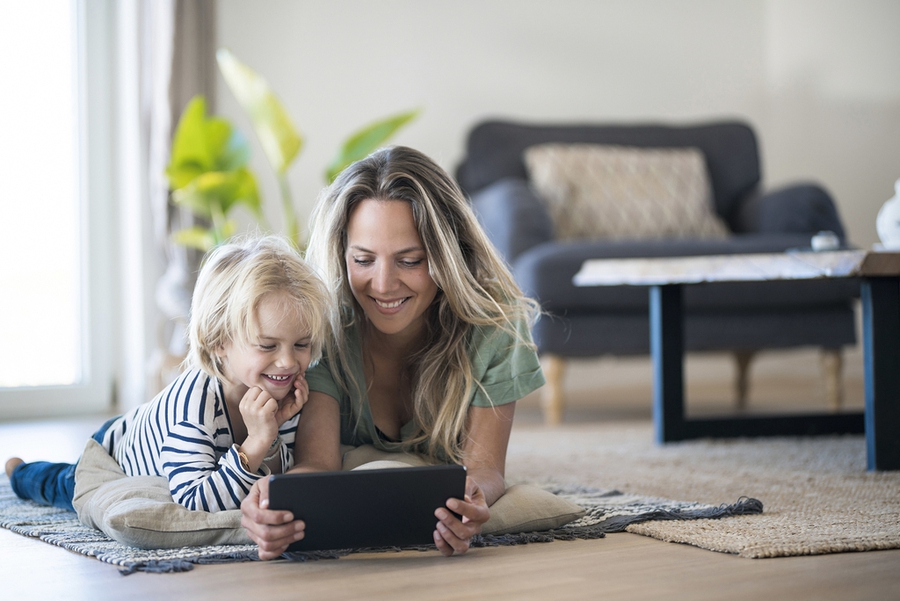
{"points": [[742, 378], [832, 368], [552, 399]]}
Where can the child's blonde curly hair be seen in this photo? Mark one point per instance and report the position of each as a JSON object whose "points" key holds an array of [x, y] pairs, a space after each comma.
{"points": [[233, 280]]}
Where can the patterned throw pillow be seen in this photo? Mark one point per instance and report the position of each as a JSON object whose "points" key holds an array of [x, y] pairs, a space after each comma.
{"points": [[617, 192]]}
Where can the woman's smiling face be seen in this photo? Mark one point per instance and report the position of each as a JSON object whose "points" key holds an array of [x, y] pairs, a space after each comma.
{"points": [[387, 266]]}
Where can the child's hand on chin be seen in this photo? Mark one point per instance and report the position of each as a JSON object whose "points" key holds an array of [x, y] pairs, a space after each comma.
{"points": [[260, 412], [293, 403]]}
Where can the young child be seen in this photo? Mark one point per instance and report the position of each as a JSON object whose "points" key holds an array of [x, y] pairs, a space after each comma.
{"points": [[258, 319]]}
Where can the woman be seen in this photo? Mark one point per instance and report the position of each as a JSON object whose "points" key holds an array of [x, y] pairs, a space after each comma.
{"points": [[430, 346]]}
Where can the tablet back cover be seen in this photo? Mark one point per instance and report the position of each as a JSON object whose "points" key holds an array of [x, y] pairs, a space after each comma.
{"points": [[367, 508]]}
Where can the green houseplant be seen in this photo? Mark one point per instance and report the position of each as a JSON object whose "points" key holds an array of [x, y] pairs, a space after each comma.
{"points": [[208, 174], [208, 171]]}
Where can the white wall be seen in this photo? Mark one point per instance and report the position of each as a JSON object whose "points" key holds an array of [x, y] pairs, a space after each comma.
{"points": [[833, 101], [820, 80]]}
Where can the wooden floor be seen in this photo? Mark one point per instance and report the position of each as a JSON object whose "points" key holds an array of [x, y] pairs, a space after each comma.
{"points": [[620, 566]]}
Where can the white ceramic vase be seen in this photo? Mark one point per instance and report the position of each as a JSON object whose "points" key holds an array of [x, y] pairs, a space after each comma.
{"points": [[887, 224]]}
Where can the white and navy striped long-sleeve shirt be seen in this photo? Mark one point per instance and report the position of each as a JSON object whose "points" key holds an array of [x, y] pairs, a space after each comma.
{"points": [[185, 435]]}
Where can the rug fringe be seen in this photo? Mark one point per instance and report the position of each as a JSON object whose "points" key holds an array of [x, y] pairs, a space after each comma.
{"points": [[746, 506], [544, 536], [304, 556], [743, 506], [159, 566]]}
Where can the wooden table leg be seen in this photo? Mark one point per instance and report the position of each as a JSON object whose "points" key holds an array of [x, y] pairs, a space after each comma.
{"points": [[881, 358]]}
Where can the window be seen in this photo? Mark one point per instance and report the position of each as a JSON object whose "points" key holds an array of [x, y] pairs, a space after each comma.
{"points": [[39, 250], [54, 305]]}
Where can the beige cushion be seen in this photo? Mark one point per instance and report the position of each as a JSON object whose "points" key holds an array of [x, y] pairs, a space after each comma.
{"points": [[524, 508], [138, 511], [527, 508], [616, 192], [354, 457]]}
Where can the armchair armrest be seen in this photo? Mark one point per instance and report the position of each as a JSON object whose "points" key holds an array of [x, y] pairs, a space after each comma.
{"points": [[513, 216], [802, 208]]}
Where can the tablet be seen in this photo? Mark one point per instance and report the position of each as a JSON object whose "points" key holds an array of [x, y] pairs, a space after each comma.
{"points": [[391, 507]]}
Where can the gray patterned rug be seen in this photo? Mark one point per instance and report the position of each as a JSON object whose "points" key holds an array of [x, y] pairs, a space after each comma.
{"points": [[607, 511]]}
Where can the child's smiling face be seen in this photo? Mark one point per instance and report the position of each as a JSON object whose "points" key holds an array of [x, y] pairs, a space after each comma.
{"points": [[272, 361]]}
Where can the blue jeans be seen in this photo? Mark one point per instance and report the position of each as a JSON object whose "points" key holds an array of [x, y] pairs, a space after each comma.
{"points": [[48, 483]]}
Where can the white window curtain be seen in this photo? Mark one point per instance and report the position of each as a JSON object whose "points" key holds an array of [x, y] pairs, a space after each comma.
{"points": [[166, 55]]}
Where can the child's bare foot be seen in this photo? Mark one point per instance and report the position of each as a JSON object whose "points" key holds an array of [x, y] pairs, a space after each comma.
{"points": [[11, 464]]}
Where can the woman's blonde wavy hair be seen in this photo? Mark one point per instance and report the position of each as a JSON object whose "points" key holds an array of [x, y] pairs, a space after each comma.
{"points": [[476, 288], [234, 278]]}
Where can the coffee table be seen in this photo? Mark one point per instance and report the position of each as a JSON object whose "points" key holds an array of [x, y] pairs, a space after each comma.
{"points": [[879, 273]]}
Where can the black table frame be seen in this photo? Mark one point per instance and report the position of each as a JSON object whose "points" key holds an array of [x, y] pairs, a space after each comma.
{"points": [[881, 356]]}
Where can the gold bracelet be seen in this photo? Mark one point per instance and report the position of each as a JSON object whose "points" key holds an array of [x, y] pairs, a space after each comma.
{"points": [[245, 462]]}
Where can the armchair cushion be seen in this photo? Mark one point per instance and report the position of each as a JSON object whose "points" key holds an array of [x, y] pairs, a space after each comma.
{"points": [[798, 208], [513, 216], [596, 191], [494, 150]]}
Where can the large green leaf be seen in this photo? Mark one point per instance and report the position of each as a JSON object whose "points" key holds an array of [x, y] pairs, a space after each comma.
{"points": [[276, 132], [189, 157], [235, 152], [363, 142], [204, 144], [217, 192], [248, 192]]}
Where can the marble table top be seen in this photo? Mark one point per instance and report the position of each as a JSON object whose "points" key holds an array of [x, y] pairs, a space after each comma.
{"points": [[793, 265]]}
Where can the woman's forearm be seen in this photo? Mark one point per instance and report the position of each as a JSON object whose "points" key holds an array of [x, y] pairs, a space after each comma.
{"points": [[485, 453], [316, 464], [317, 442], [491, 483]]}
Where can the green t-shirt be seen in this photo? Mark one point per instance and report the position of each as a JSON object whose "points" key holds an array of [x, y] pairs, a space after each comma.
{"points": [[506, 369]]}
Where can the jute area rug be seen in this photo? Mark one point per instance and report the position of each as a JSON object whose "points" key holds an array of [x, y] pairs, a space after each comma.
{"points": [[817, 494]]}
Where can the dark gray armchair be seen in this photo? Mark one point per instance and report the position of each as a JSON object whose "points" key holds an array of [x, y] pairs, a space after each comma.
{"points": [[587, 322]]}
